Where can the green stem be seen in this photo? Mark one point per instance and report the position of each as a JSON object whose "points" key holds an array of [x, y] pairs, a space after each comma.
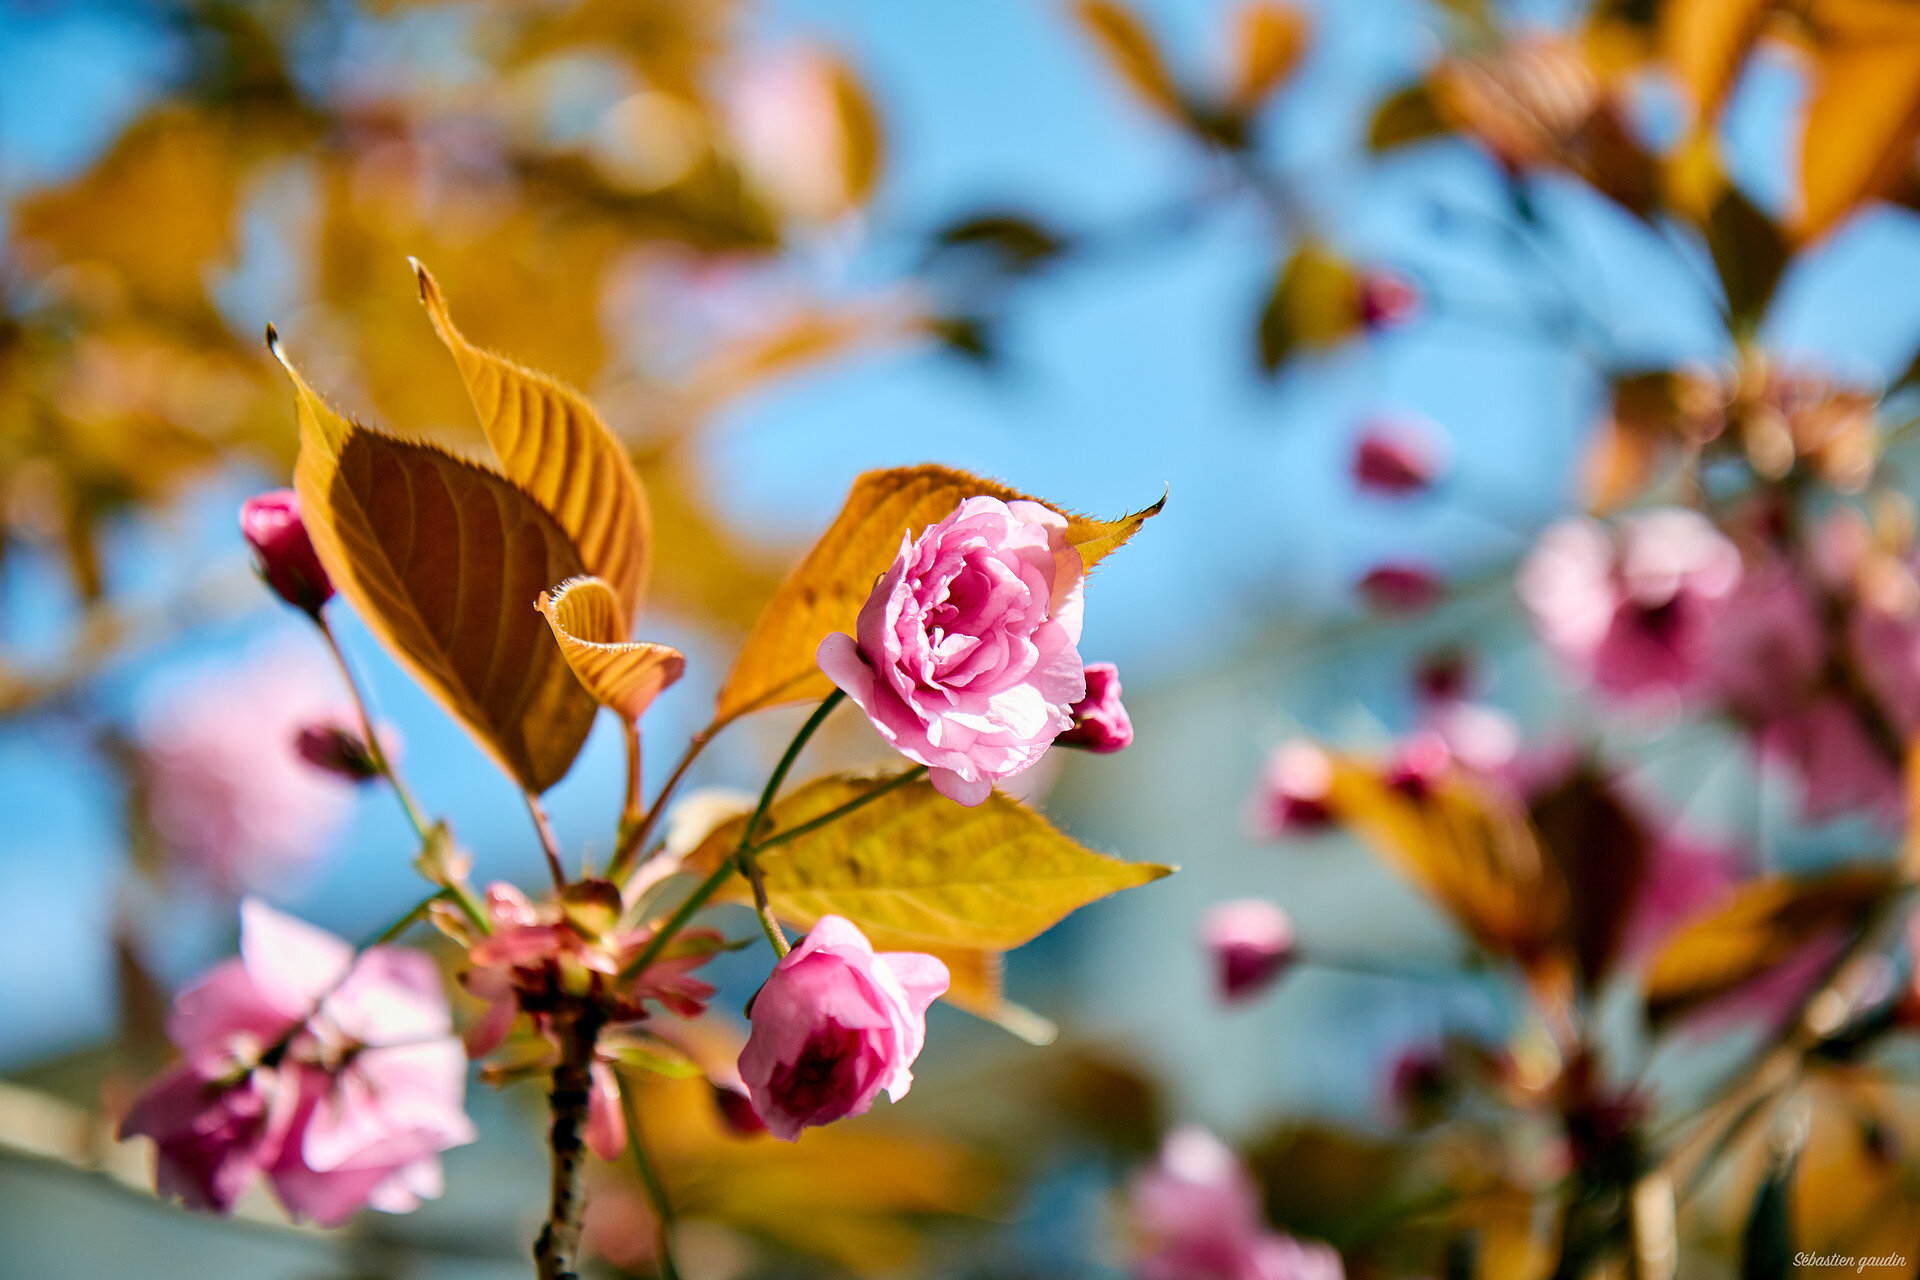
{"points": [[656, 1190], [834, 815], [743, 853], [375, 752]]}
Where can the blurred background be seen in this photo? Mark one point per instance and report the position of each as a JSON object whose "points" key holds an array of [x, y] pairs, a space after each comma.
{"points": [[781, 243]]}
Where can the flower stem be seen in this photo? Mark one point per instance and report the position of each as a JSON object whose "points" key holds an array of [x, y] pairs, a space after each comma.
{"points": [[834, 815], [556, 1252], [744, 851], [548, 844], [656, 1190], [375, 751], [634, 835], [630, 807]]}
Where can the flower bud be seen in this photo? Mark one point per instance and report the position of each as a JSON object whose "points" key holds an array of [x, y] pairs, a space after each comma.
{"points": [[282, 551], [1400, 588], [1294, 790], [1252, 944], [736, 1110], [1396, 459], [1100, 723], [334, 748], [1386, 299]]}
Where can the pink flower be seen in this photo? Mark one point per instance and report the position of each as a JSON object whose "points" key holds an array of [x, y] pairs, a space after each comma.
{"points": [[1400, 588], [1768, 646], [1396, 458], [228, 791], [1635, 615], [1251, 942], [337, 1079], [283, 552], [1294, 790], [834, 1025], [1198, 1214], [1886, 644], [786, 115], [332, 747], [1841, 768], [1386, 299], [1100, 723], [966, 659]]}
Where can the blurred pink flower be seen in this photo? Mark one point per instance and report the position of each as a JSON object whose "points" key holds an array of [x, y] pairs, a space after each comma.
{"points": [[1100, 722], [1419, 1084], [1886, 647], [834, 1025], [1840, 767], [228, 792], [1386, 299], [784, 110], [1293, 791], [283, 552], [1684, 879], [1401, 588], [1396, 457], [967, 657], [1635, 612], [1768, 646], [1251, 943], [1197, 1211], [336, 1078]]}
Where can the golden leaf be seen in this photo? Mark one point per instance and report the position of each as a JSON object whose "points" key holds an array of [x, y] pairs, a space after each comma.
{"points": [[1130, 51], [1470, 849], [1763, 924], [550, 441], [1862, 122], [824, 594], [862, 147], [915, 870], [443, 560], [1268, 39], [1706, 42], [587, 619]]}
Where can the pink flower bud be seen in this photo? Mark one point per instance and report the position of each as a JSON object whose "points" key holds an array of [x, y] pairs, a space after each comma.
{"points": [[1386, 299], [333, 748], [1294, 790], [1394, 459], [834, 1025], [1252, 944], [1420, 765], [736, 1110], [1400, 588], [1100, 723], [282, 550]]}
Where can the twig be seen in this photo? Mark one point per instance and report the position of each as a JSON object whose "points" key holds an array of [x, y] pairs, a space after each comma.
{"points": [[556, 1252], [548, 844]]}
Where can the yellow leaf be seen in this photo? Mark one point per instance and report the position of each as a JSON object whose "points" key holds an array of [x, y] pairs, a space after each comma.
{"points": [[587, 620], [550, 442], [1314, 305], [1471, 851], [1862, 123], [1706, 42], [824, 594], [443, 560], [916, 871], [862, 147], [1763, 924], [1268, 39], [1130, 50]]}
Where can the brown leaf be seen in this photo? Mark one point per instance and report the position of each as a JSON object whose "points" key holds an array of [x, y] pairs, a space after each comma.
{"points": [[587, 620], [825, 593], [443, 560], [1266, 43], [1764, 924], [550, 441], [1130, 51], [1404, 117], [1599, 849]]}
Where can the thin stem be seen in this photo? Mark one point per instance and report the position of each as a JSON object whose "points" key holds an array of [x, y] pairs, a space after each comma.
{"points": [[834, 815], [744, 851], [630, 808], [656, 1189], [625, 856], [675, 922], [548, 844], [374, 750]]}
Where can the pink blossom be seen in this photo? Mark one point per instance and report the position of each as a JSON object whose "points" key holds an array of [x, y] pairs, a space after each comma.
{"points": [[834, 1025], [1396, 458], [784, 111], [967, 657], [1197, 1211], [227, 789], [1294, 790], [283, 552], [1635, 614], [1769, 645], [1840, 766], [1886, 647], [332, 747], [337, 1079], [1100, 722], [1420, 764], [1401, 588], [1478, 737], [1251, 942], [1386, 299]]}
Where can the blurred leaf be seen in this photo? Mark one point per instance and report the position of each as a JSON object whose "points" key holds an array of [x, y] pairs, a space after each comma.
{"points": [[1265, 45], [1766, 1243], [1470, 848], [1129, 48], [1313, 305], [1015, 243], [916, 867], [1750, 252], [1706, 42], [550, 441], [861, 142], [1763, 925], [588, 620], [1601, 851], [443, 561], [1406, 116], [825, 593], [1862, 120]]}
